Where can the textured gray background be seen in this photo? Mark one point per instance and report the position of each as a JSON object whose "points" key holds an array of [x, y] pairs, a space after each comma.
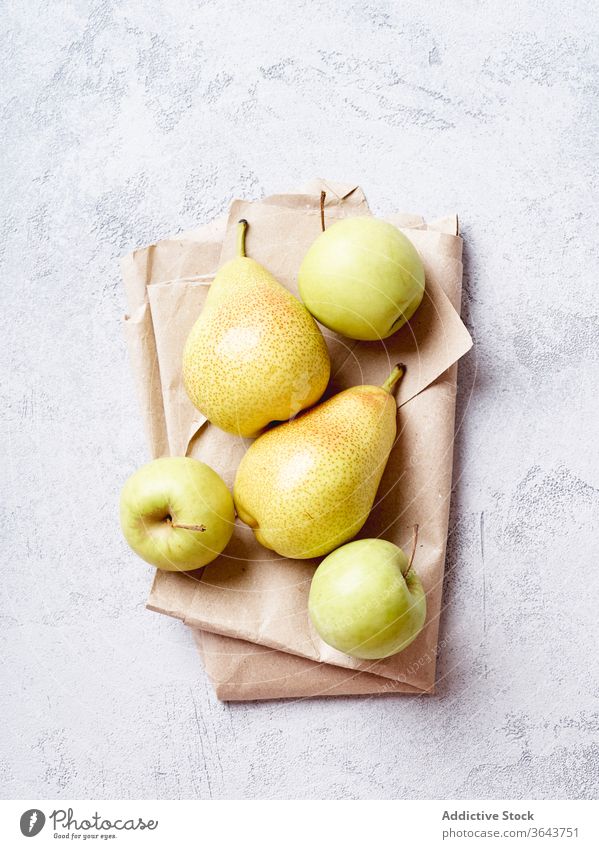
{"points": [[123, 122]]}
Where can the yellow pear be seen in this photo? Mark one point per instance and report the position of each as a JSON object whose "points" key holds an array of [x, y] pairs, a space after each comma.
{"points": [[307, 486], [255, 355]]}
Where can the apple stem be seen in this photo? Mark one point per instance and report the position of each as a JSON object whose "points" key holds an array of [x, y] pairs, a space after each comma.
{"points": [[398, 372], [242, 227], [323, 196], [200, 528], [414, 543]]}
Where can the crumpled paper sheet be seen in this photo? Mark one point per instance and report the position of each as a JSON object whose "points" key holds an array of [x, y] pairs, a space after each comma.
{"points": [[250, 595]]}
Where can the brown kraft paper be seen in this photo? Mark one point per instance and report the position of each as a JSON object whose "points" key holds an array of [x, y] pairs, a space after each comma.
{"points": [[249, 594]]}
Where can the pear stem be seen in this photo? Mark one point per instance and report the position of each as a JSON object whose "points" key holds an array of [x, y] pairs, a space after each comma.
{"points": [[200, 528], [241, 231], [323, 196], [396, 375], [414, 543]]}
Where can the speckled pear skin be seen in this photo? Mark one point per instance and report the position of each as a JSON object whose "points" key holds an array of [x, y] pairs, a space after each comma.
{"points": [[307, 486], [255, 355]]}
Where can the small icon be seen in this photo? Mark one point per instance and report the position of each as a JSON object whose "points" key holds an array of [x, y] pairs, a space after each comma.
{"points": [[32, 822]]}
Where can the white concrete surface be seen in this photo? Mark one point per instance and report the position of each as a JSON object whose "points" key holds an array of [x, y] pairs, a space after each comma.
{"points": [[125, 121]]}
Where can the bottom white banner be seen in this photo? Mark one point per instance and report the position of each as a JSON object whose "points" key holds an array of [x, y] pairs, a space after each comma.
{"points": [[283, 824]]}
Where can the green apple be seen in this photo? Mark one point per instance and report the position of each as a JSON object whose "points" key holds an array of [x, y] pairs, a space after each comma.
{"points": [[362, 278], [366, 601], [177, 513]]}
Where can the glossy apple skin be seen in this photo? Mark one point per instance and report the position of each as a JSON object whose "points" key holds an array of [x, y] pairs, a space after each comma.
{"points": [[176, 490], [360, 602], [362, 278]]}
